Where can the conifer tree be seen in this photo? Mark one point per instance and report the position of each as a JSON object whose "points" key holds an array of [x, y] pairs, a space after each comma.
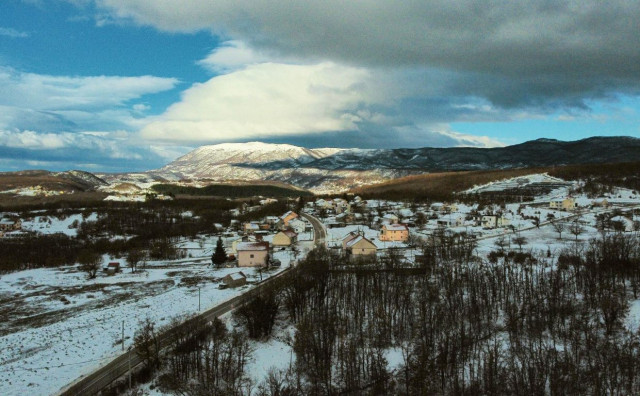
{"points": [[219, 256]]}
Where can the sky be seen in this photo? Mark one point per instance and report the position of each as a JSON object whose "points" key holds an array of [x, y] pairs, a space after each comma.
{"points": [[129, 85]]}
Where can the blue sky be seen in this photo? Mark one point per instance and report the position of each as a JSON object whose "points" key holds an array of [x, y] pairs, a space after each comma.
{"points": [[129, 85]]}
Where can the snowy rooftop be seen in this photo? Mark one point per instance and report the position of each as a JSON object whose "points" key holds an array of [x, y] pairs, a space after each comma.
{"points": [[395, 227], [252, 246]]}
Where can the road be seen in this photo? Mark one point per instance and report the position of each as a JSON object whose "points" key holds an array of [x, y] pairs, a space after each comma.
{"points": [[319, 232], [121, 365]]}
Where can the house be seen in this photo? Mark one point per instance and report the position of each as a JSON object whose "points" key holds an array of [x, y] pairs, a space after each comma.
{"points": [[563, 204], [394, 233], [323, 204], [340, 205], [283, 221], [297, 225], [285, 238], [250, 228], [348, 238], [360, 246], [252, 254], [10, 225], [390, 218], [112, 268], [235, 279], [494, 221], [268, 201]]}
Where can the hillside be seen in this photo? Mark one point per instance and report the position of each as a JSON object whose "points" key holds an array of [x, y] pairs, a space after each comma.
{"points": [[61, 182], [232, 190], [442, 185], [337, 170]]}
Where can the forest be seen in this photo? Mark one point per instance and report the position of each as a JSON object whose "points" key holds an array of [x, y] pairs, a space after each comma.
{"points": [[231, 191], [151, 228], [463, 325]]}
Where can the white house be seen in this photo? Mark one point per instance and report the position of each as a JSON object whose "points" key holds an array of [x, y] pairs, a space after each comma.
{"points": [[297, 225], [494, 221]]}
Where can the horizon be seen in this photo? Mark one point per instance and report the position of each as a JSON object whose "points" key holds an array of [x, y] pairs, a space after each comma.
{"points": [[112, 86]]}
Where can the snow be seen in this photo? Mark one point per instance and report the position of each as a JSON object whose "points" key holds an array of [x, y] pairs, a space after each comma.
{"points": [[53, 225], [516, 182], [62, 326]]}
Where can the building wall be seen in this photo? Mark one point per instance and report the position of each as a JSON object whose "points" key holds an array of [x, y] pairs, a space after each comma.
{"points": [[259, 258], [280, 239], [398, 236], [363, 248]]}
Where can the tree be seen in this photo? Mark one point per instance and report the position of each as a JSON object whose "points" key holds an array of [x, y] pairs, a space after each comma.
{"points": [[520, 240], [219, 256], [576, 229], [134, 256], [89, 262], [146, 344], [559, 226], [501, 243]]}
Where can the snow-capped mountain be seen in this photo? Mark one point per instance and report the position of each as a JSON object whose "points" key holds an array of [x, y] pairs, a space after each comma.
{"points": [[334, 170]]}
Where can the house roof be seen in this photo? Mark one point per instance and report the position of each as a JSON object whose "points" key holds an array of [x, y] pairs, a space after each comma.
{"points": [[252, 246], [7, 221], [290, 233], [237, 276], [358, 239], [289, 213], [349, 236], [396, 227]]}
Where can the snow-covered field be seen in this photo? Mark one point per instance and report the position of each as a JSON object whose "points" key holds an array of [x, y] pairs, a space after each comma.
{"points": [[58, 325]]}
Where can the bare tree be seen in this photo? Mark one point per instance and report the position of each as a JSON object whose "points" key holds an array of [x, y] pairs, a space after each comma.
{"points": [[576, 228], [559, 227], [89, 262], [134, 256], [520, 240], [146, 344]]}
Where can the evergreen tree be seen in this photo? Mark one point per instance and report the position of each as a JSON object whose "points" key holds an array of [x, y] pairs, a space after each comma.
{"points": [[219, 256]]}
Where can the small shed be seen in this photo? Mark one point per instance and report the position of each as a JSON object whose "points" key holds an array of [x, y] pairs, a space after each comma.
{"points": [[235, 279], [112, 268]]}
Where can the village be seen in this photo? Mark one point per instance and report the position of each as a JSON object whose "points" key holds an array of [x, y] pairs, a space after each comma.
{"points": [[360, 231]]}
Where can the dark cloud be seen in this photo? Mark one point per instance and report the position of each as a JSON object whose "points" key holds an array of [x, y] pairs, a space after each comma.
{"points": [[524, 53]]}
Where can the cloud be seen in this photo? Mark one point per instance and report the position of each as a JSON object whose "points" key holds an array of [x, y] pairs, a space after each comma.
{"points": [[116, 151], [231, 56], [45, 92], [515, 54], [12, 33], [267, 99]]}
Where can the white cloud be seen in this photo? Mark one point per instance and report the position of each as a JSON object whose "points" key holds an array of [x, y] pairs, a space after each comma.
{"points": [[13, 33], [141, 107], [44, 92], [266, 100], [32, 140], [230, 56]]}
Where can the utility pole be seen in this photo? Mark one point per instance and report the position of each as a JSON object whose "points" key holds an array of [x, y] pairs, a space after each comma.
{"points": [[123, 335], [198, 298], [129, 359]]}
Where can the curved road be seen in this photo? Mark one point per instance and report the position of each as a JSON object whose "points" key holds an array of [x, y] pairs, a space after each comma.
{"points": [[121, 365]]}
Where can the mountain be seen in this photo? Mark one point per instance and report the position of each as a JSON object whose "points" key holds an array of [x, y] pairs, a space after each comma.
{"points": [[69, 181], [332, 170]]}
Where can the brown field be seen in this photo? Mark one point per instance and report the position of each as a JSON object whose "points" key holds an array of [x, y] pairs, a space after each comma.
{"points": [[13, 202], [443, 185]]}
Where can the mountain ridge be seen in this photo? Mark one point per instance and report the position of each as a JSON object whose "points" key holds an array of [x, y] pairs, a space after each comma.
{"points": [[339, 169]]}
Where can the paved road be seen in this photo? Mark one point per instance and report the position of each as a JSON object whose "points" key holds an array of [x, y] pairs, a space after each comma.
{"points": [[120, 366], [318, 228]]}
